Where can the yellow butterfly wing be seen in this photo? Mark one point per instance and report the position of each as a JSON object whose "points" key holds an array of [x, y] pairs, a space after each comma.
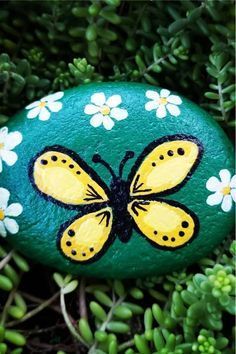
{"points": [[165, 223], [165, 165], [83, 239], [62, 176]]}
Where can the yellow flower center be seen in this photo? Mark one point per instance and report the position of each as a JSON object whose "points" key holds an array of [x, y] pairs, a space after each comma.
{"points": [[162, 100], [2, 215], [42, 104], [225, 190], [105, 110], [1, 146]]}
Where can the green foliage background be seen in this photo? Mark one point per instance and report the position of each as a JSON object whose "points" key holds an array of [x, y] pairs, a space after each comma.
{"points": [[187, 46]]}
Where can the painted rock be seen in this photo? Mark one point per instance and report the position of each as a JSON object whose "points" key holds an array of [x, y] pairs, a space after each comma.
{"points": [[115, 180]]}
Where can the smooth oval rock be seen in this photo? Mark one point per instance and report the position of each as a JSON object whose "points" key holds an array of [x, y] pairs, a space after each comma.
{"points": [[115, 180]]}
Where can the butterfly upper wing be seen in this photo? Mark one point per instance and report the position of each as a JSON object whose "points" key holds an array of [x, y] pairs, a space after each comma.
{"points": [[84, 238], [165, 223], [63, 176], [164, 165]]}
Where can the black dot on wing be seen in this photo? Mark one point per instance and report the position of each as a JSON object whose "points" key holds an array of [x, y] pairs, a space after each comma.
{"points": [[44, 162], [172, 239], [91, 249], [54, 158], [73, 252], [71, 166], [84, 254], [71, 232], [170, 152], [185, 224], [161, 157], [181, 233], [155, 232], [68, 243], [153, 164], [165, 238], [180, 151], [78, 172], [63, 161]]}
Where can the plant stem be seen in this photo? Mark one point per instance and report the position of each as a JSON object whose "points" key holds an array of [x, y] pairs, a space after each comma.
{"points": [[37, 300], [43, 330], [7, 304], [35, 311], [70, 326], [5, 260], [105, 323], [157, 62], [82, 300], [126, 345]]}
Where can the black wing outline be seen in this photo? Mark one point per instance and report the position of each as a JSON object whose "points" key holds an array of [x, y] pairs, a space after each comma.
{"points": [[107, 244], [89, 170], [149, 148], [175, 204]]}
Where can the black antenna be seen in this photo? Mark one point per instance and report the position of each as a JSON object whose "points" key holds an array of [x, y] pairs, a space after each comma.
{"points": [[97, 159], [128, 155]]}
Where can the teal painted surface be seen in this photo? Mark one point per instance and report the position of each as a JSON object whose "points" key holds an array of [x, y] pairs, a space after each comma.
{"points": [[70, 127]]}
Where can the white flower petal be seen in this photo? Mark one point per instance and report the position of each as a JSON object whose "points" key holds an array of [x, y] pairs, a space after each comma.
{"points": [[118, 113], [44, 114], [174, 110], [10, 157], [3, 231], [233, 182], [96, 120], [214, 199], [15, 209], [174, 99], [225, 176], [11, 225], [161, 111], [4, 197], [33, 113], [91, 109], [33, 105], [233, 194], [3, 134], [213, 184], [152, 95], [12, 140], [149, 106], [164, 93], [227, 203], [53, 97], [108, 123], [54, 106], [114, 101], [98, 99]]}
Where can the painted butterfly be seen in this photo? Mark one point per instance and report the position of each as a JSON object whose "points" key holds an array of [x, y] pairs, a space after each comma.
{"points": [[165, 165]]}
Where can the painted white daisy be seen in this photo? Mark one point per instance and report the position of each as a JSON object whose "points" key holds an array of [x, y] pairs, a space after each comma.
{"points": [[224, 190], [8, 211], [8, 141], [45, 106], [162, 103], [103, 110]]}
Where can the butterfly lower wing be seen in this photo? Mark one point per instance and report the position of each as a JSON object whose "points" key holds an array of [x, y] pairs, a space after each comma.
{"points": [[63, 176], [86, 237], [164, 165], [165, 223]]}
